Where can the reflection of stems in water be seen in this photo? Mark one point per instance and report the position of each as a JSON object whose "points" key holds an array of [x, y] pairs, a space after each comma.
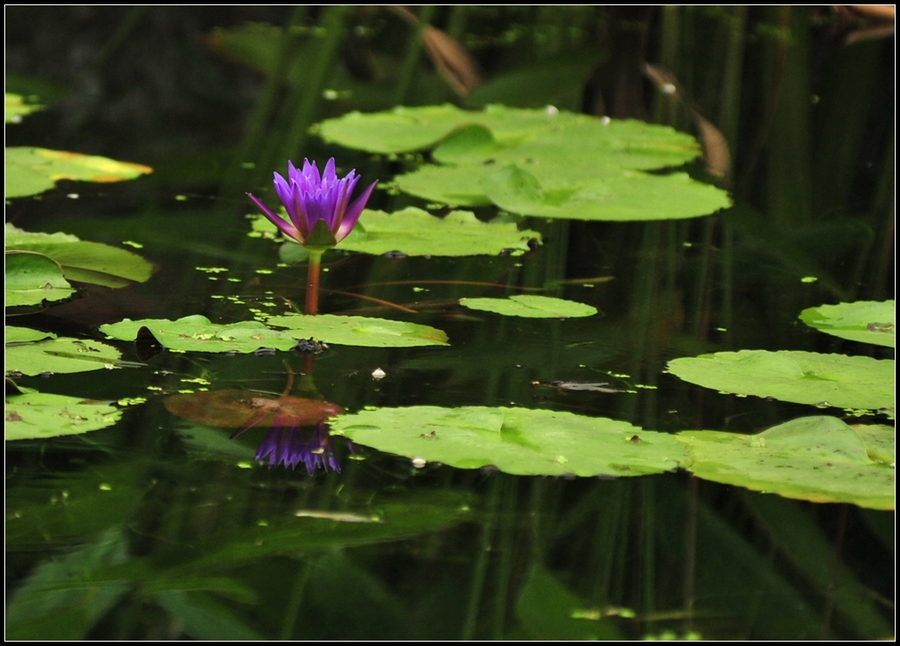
{"points": [[487, 537], [292, 607], [831, 590], [309, 361], [290, 382], [690, 557], [507, 549], [648, 552]]}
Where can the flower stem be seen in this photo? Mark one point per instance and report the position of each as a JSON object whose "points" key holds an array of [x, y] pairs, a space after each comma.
{"points": [[312, 281]]}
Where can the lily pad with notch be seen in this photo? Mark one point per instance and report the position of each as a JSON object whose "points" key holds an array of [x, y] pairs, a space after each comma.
{"points": [[33, 278], [514, 440], [415, 232], [530, 306], [31, 353], [80, 260], [863, 321], [795, 376], [359, 330], [196, 333], [31, 170], [35, 415], [539, 163], [818, 458]]}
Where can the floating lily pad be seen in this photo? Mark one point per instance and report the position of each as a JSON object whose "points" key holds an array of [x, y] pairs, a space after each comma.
{"points": [[87, 262], [404, 129], [800, 377], [30, 170], [530, 306], [196, 334], [359, 330], [59, 355], [16, 334], [624, 195], [32, 278], [864, 321], [35, 415], [819, 458], [555, 165], [515, 440], [879, 441], [17, 107], [415, 232], [243, 409], [453, 185]]}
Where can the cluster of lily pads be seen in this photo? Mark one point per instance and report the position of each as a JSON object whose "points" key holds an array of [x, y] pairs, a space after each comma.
{"points": [[540, 163]]}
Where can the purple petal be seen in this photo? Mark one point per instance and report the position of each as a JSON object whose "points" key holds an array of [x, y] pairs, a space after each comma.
{"points": [[292, 171], [284, 192], [351, 215], [310, 173], [329, 175], [277, 220]]}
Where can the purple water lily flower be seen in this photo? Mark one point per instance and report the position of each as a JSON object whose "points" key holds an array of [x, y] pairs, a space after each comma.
{"points": [[290, 445], [309, 197]]}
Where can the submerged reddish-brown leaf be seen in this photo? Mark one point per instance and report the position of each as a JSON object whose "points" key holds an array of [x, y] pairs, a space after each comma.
{"points": [[242, 409]]}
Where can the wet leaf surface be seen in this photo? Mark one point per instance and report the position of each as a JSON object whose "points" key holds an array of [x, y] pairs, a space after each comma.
{"points": [[530, 306], [35, 415], [30, 170], [863, 321], [800, 377], [514, 440], [818, 458]]}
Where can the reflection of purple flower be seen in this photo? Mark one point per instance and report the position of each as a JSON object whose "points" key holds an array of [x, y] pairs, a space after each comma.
{"points": [[309, 197], [291, 445]]}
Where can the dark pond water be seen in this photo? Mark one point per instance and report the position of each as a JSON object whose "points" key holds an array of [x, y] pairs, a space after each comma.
{"points": [[160, 527]]}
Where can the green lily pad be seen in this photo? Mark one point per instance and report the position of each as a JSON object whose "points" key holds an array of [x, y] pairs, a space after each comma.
{"points": [[60, 355], [530, 306], [32, 278], [359, 330], [404, 129], [863, 321], [623, 195], [452, 185], [415, 232], [819, 458], [800, 377], [16, 334], [86, 262], [35, 415], [197, 334], [620, 195], [540, 163], [879, 441], [17, 107], [30, 170], [514, 440]]}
